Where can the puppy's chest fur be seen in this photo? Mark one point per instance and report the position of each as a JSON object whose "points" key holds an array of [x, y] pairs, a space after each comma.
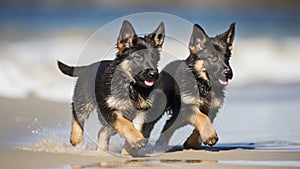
{"points": [[214, 98], [129, 101], [201, 93], [139, 99]]}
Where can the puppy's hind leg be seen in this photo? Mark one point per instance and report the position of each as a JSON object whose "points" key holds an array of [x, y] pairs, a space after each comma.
{"points": [[79, 116], [169, 128], [77, 129], [103, 137]]}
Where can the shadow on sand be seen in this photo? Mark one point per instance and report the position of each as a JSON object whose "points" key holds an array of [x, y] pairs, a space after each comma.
{"points": [[264, 145], [221, 147]]}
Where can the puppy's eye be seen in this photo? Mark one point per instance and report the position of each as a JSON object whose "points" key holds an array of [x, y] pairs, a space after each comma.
{"points": [[212, 57], [138, 57]]}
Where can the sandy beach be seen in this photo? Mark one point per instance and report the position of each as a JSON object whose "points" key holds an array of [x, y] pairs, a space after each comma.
{"points": [[19, 148], [181, 159]]}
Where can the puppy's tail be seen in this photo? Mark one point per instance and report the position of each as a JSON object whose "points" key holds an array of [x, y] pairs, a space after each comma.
{"points": [[70, 70]]}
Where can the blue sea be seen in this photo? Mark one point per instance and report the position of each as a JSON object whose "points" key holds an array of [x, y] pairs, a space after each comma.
{"points": [[251, 23]]}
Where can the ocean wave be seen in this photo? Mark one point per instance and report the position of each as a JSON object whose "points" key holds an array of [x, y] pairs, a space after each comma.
{"points": [[29, 66]]}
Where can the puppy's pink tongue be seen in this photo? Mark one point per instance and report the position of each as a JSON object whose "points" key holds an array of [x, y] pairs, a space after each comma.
{"points": [[149, 82], [223, 82]]}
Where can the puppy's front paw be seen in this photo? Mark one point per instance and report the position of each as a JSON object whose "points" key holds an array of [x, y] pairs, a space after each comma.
{"points": [[212, 139], [132, 145], [138, 142]]}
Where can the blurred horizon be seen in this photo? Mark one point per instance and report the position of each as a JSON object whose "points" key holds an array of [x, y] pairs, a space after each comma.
{"points": [[16, 14], [254, 4]]}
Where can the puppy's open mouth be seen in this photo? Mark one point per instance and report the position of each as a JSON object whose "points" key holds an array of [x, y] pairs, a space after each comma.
{"points": [[223, 82], [149, 82]]}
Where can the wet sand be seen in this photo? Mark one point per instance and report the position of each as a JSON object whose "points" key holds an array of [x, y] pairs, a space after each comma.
{"points": [[11, 158], [17, 130]]}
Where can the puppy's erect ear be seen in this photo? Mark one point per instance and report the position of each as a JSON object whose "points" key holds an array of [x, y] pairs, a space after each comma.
{"points": [[158, 36], [199, 40], [126, 37], [228, 36]]}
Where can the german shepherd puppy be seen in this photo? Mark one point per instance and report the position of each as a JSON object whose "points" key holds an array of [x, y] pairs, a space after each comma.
{"points": [[194, 88], [118, 89]]}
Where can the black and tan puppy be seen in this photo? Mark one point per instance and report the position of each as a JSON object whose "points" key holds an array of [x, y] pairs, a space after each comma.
{"points": [[194, 88], [118, 89]]}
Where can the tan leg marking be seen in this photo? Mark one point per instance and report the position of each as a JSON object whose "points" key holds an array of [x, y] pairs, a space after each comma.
{"points": [[205, 128], [138, 122], [127, 130], [76, 133]]}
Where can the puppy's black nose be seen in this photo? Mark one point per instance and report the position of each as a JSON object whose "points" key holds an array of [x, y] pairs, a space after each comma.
{"points": [[228, 73], [152, 73]]}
